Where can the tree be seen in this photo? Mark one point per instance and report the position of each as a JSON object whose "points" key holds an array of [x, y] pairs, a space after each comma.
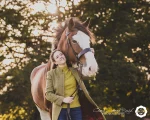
{"points": [[121, 29], [122, 51], [25, 50]]}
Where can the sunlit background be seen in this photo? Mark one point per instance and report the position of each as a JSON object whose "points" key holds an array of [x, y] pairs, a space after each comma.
{"points": [[49, 12], [50, 7], [12, 59]]}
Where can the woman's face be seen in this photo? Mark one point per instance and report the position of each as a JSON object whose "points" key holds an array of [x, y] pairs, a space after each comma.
{"points": [[59, 58]]}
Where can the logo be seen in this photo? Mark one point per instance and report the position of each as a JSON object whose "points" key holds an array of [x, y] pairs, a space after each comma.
{"points": [[141, 111]]}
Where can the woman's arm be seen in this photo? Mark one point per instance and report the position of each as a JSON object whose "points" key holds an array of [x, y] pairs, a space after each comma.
{"points": [[49, 94]]}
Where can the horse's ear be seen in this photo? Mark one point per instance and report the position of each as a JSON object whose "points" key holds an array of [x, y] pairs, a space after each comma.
{"points": [[71, 24], [87, 22]]}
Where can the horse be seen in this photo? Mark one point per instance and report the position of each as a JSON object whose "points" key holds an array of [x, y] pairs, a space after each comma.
{"points": [[73, 39]]}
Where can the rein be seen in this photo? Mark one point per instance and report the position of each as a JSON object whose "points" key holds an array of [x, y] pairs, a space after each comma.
{"points": [[79, 64]]}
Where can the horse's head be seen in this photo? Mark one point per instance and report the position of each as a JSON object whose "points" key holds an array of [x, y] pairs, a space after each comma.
{"points": [[74, 40]]}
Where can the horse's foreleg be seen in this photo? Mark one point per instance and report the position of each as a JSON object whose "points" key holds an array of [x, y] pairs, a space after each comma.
{"points": [[44, 114]]}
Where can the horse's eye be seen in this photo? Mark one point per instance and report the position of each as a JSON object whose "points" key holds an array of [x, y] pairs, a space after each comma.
{"points": [[74, 41]]}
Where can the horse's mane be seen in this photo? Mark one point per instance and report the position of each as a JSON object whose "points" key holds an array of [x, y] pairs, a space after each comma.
{"points": [[78, 25]]}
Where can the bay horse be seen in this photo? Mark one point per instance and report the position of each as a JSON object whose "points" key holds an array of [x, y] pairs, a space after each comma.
{"points": [[73, 39]]}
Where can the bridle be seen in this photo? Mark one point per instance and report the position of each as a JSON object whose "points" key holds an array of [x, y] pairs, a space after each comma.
{"points": [[79, 64], [77, 55]]}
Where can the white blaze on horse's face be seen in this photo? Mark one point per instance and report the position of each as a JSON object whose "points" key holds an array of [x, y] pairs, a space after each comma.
{"points": [[91, 66]]}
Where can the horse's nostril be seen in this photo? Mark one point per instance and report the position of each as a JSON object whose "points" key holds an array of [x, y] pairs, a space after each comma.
{"points": [[89, 68]]}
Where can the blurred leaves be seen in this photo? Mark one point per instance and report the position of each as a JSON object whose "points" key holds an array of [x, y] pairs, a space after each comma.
{"points": [[122, 52]]}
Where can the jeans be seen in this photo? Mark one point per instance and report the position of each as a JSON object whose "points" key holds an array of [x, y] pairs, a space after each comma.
{"points": [[75, 114]]}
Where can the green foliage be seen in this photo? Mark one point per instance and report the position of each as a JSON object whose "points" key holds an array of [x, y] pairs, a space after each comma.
{"points": [[122, 52]]}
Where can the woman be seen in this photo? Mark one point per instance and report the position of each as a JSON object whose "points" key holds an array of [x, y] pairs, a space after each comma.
{"points": [[61, 90]]}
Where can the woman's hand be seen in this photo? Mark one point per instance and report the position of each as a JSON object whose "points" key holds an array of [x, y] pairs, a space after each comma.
{"points": [[68, 100]]}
